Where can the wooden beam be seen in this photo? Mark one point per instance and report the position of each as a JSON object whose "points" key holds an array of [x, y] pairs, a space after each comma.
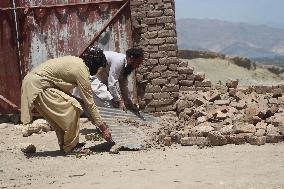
{"points": [[105, 26]]}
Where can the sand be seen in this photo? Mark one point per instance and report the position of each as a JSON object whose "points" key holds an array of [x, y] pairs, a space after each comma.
{"points": [[229, 166]]}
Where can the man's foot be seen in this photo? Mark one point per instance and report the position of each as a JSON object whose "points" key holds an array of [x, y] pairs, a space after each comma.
{"points": [[78, 148], [115, 149]]}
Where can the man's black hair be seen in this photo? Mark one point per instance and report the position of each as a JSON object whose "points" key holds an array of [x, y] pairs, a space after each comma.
{"points": [[135, 53], [94, 58]]}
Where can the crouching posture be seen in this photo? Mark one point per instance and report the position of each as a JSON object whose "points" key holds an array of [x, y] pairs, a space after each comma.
{"points": [[47, 88]]}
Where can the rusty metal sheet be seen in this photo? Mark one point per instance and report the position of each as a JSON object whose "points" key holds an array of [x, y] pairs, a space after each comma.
{"points": [[49, 29], [57, 31], [9, 63]]}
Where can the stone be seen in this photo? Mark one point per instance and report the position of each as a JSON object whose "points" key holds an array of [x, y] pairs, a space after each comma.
{"points": [[186, 83], [276, 120], [161, 137], [170, 88], [115, 149], [244, 128], [232, 83], [89, 137], [276, 92], [273, 101], [159, 81], [173, 136], [227, 130], [250, 112], [272, 111], [261, 125], [167, 141], [240, 95], [204, 83], [254, 140], [152, 88], [281, 128], [28, 130], [216, 139], [201, 130], [261, 89], [46, 128], [221, 116], [199, 76], [236, 139], [189, 111], [238, 105], [274, 138], [222, 102], [185, 70], [28, 148], [199, 101], [211, 96], [272, 130], [179, 135], [190, 141], [232, 92], [165, 108], [201, 119], [3, 125], [254, 120], [260, 132]]}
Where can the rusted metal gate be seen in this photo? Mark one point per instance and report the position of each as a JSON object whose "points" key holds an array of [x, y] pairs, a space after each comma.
{"points": [[32, 31]]}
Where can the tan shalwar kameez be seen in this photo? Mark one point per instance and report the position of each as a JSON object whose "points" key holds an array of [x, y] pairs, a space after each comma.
{"points": [[47, 87]]}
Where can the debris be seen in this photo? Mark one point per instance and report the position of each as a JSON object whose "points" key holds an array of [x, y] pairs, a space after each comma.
{"points": [[3, 125], [77, 175], [28, 148], [115, 149]]}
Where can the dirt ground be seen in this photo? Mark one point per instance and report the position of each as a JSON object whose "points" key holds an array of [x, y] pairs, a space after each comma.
{"points": [[230, 166]]}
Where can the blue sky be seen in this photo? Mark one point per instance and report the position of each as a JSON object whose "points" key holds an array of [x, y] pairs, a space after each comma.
{"points": [[270, 12]]}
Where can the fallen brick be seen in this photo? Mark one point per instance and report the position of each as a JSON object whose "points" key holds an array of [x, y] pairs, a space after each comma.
{"points": [[190, 141], [254, 140], [244, 128], [216, 139], [236, 139]]}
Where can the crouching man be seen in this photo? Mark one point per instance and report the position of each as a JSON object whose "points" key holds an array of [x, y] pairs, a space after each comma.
{"points": [[47, 88]]}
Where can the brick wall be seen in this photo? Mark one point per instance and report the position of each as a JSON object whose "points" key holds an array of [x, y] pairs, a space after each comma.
{"points": [[162, 75], [154, 30]]}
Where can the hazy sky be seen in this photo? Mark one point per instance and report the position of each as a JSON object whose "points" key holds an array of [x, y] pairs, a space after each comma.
{"points": [[270, 12]]}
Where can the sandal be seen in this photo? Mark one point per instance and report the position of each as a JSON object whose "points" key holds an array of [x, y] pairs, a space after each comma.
{"points": [[78, 148]]}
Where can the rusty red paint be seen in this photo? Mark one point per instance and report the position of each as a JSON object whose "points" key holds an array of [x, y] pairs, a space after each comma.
{"points": [[60, 28], [10, 71]]}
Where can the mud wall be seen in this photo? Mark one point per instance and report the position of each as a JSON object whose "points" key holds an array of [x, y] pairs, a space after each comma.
{"points": [[162, 75], [154, 30]]}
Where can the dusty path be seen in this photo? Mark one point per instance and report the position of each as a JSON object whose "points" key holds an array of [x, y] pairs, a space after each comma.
{"points": [[229, 166]]}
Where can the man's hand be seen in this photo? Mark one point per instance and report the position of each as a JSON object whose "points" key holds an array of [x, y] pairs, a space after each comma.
{"points": [[134, 108], [122, 106], [105, 132]]}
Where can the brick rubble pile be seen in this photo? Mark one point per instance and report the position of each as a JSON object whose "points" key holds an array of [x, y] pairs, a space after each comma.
{"points": [[228, 115]]}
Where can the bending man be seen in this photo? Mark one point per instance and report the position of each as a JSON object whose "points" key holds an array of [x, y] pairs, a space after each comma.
{"points": [[47, 89], [118, 67]]}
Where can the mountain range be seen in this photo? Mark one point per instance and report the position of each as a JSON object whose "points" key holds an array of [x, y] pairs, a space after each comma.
{"points": [[230, 38]]}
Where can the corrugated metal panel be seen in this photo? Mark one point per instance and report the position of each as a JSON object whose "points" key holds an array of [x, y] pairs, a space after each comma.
{"points": [[50, 29], [10, 71]]}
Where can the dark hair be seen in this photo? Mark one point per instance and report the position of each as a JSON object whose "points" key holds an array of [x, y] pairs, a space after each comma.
{"points": [[135, 53], [94, 58]]}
